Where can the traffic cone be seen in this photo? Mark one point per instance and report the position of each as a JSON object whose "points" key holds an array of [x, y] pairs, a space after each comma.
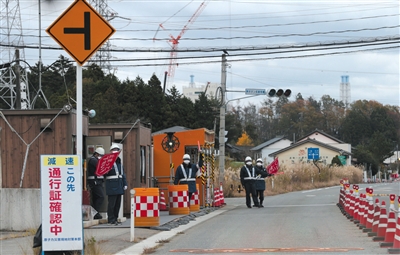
{"points": [[396, 240], [380, 235], [162, 204], [361, 223], [370, 217], [390, 231], [377, 214], [351, 206], [221, 190], [356, 209]]}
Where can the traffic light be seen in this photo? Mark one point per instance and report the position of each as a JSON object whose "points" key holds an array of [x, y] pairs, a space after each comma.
{"points": [[279, 92]]}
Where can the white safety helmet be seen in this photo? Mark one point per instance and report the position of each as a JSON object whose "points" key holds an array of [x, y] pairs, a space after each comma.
{"points": [[114, 146], [248, 159], [186, 157], [259, 160], [100, 151]]}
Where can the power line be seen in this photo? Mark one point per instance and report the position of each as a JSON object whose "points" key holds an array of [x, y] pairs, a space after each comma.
{"points": [[242, 48], [252, 37], [261, 59], [265, 25], [259, 53]]}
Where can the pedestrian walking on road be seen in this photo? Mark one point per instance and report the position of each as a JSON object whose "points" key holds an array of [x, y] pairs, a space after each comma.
{"points": [[115, 187], [95, 183], [248, 175], [260, 181], [186, 173]]}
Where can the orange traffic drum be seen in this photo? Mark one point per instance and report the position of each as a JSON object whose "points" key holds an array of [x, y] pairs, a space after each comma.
{"points": [[178, 199], [147, 212]]}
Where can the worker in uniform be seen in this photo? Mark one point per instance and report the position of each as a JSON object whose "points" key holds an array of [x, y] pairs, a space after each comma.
{"points": [[116, 185], [248, 175], [186, 173], [95, 183], [260, 181]]}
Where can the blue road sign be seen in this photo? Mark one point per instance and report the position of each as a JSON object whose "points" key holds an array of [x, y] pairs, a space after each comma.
{"points": [[313, 153], [255, 92]]}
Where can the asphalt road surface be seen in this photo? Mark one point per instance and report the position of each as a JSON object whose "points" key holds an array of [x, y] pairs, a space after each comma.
{"points": [[307, 222]]}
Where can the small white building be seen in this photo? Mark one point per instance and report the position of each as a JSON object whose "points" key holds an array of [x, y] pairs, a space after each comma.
{"points": [[193, 91], [268, 147]]}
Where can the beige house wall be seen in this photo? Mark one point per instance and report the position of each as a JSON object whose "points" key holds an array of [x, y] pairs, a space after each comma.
{"points": [[299, 154]]}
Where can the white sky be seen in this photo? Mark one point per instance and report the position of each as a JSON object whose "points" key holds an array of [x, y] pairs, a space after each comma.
{"points": [[374, 74]]}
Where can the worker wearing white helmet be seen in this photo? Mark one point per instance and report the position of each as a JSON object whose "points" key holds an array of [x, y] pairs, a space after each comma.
{"points": [[186, 173], [260, 182], [116, 185], [248, 176], [94, 182]]}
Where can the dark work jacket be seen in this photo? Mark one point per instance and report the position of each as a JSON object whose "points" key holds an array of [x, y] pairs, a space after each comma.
{"points": [[91, 169], [244, 175], [191, 179], [260, 182], [115, 183]]}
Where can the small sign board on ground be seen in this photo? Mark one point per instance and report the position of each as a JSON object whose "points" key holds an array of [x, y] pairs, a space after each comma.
{"points": [[61, 192]]}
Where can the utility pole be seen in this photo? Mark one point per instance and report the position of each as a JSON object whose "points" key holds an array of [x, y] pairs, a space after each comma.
{"points": [[397, 151], [222, 121]]}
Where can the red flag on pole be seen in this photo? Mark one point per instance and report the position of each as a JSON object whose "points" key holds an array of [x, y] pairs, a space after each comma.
{"points": [[273, 167], [106, 163]]}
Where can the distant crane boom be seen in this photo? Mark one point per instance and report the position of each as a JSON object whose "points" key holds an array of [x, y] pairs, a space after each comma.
{"points": [[174, 41]]}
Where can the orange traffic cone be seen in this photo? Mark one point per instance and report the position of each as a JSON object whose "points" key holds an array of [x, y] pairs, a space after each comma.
{"points": [[370, 217], [363, 212], [356, 209], [380, 235], [396, 240], [221, 190], [377, 214], [390, 231], [163, 205]]}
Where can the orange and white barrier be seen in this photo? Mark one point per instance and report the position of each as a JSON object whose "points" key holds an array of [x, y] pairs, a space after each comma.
{"points": [[178, 199], [147, 213], [163, 204]]}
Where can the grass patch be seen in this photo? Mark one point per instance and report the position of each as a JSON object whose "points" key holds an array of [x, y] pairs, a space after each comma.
{"points": [[150, 250], [163, 241]]}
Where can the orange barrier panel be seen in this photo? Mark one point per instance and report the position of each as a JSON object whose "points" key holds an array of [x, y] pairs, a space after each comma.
{"points": [[178, 199], [147, 213]]}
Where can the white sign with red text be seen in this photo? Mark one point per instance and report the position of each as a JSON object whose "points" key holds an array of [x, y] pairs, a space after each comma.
{"points": [[61, 191]]}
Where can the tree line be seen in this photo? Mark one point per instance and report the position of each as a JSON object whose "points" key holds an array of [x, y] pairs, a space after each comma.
{"points": [[371, 128]]}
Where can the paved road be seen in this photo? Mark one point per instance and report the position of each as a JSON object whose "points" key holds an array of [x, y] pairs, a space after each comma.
{"points": [[294, 223]]}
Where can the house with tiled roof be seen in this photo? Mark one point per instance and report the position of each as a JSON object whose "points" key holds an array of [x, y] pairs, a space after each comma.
{"points": [[299, 152], [268, 147]]}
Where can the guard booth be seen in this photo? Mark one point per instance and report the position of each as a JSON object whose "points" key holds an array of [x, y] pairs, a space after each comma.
{"points": [[134, 139], [169, 146]]}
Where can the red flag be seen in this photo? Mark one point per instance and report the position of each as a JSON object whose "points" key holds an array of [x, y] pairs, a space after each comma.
{"points": [[273, 167], [106, 163]]}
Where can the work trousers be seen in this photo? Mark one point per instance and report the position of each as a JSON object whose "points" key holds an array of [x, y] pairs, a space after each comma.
{"points": [[250, 189], [97, 195], [114, 203], [260, 195]]}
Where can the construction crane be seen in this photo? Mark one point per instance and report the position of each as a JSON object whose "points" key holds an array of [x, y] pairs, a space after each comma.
{"points": [[174, 41]]}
